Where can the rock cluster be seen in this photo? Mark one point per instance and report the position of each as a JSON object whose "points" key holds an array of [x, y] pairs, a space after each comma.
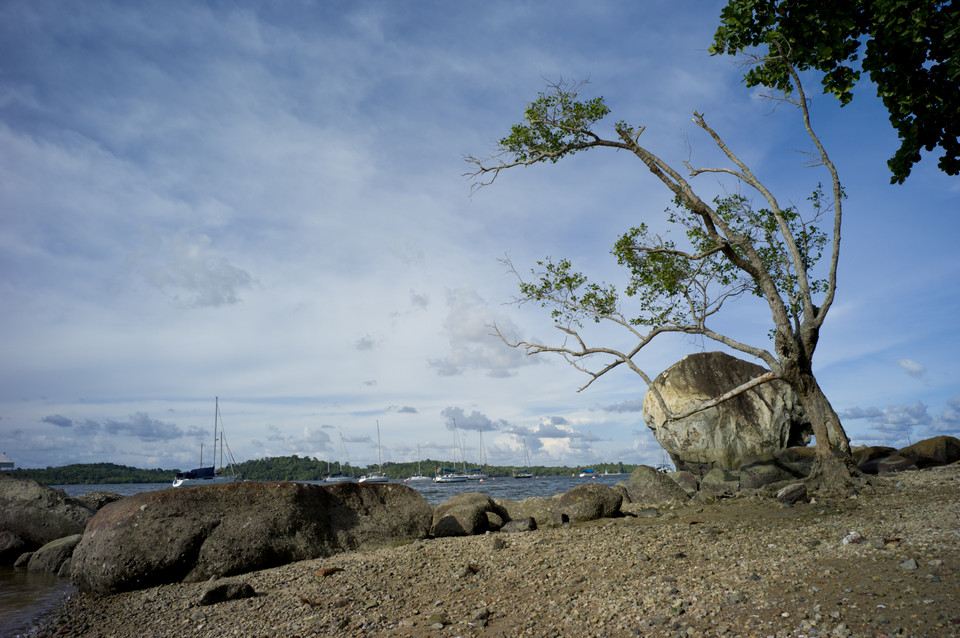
{"points": [[879, 562]]}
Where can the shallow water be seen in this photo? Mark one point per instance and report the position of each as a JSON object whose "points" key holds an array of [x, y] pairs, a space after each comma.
{"points": [[25, 597]]}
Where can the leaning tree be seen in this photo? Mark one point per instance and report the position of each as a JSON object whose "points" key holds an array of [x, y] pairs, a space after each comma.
{"points": [[732, 247]]}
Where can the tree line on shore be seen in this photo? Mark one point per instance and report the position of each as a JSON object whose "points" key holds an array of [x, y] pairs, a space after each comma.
{"points": [[281, 468]]}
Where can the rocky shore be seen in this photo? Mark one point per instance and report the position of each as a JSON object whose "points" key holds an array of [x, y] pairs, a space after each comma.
{"points": [[879, 561]]}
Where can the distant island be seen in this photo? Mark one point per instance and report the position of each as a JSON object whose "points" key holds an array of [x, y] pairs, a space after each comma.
{"points": [[283, 468]]}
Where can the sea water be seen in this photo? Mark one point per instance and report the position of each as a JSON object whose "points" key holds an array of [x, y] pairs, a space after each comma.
{"points": [[25, 597]]}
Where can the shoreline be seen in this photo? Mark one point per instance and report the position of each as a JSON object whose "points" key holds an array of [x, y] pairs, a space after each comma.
{"points": [[739, 566]]}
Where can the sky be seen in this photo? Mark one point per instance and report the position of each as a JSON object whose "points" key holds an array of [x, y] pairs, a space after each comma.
{"points": [[264, 204]]}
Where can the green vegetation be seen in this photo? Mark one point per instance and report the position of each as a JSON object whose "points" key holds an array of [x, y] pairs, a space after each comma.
{"points": [[94, 473], [910, 50], [280, 468]]}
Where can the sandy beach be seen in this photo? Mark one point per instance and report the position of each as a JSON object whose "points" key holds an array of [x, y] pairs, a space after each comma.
{"points": [[879, 561]]}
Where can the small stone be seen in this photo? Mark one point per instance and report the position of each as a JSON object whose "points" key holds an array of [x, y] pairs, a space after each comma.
{"points": [[853, 538], [909, 564]]}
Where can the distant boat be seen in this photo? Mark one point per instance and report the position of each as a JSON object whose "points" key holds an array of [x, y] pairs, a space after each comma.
{"points": [[480, 473], [525, 474], [5, 462], [211, 475], [447, 475], [588, 473], [418, 476], [339, 477], [378, 476]]}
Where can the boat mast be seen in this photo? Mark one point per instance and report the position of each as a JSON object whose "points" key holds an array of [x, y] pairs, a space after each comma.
{"points": [[216, 415], [379, 459]]}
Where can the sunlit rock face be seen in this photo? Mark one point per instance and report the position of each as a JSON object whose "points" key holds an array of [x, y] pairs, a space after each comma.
{"points": [[766, 419]]}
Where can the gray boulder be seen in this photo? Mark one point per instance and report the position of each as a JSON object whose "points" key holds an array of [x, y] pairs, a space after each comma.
{"points": [[792, 494], [686, 480], [895, 463], [798, 459], [648, 487], [540, 508], [50, 558], [467, 514], [938, 450], [766, 419], [758, 470], [39, 514], [191, 534], [11, 546], [519, 525], [98, 498], [720, 481], [588, 502]]}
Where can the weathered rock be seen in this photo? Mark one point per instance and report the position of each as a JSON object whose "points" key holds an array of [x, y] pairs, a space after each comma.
{"points": [[465, 515], [589, 502], [539, 508], [191, 534], [686, 480], [765, 419], [939, 450], [640, 511], [720, 481], [11, 546], [648, 487], [792, 494], [51, 557], [519, 525], [866, 457], [797, 459], [763, 469], [223, 591], [39, 514], [98, 498], [23, 560], [895, 463]]}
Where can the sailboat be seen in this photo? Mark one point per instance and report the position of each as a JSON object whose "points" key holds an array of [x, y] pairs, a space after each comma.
{"points": [[418, 476], [378, 476], [211, 475], [526, 464], [448, 475], [480, 473], [339, 477]]}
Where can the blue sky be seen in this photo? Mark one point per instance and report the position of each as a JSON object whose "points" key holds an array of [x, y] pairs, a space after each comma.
{"points": [[265, 202]]}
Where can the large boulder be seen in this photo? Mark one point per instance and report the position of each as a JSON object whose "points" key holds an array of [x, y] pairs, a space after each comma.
{"points": [[51, 557], [647, 486], [38, 514], [191, 534], [11, 546], [467, 514], [542, 509], [765, 419], [939, 450], [588, 502], [758, 470]]}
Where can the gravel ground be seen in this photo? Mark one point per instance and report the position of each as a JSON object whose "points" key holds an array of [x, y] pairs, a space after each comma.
{"points": [[880, 562]]}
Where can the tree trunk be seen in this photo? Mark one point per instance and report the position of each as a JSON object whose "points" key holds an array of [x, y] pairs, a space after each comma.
{"points": [[832, 469]]}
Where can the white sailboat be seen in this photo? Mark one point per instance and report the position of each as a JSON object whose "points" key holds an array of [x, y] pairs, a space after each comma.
{"points": [[378, 476], [448, 475], [480, 473], [418, 476], [526, 464], [340, 477], [211, 475]]}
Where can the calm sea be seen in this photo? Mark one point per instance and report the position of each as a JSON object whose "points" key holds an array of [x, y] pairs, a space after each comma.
{"points": [[25, 597]]}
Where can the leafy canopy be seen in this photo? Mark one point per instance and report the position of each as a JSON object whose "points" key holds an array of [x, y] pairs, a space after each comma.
{"points": [[911, 51]]}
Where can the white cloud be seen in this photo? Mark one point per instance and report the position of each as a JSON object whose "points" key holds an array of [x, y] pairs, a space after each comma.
{"points": [[912, 368]]}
